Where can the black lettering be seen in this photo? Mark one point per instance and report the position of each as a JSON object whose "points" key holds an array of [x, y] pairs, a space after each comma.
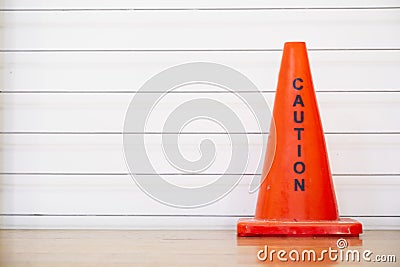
{"points": [[297, 184], [298, 132], [298, 100], [297, 120], [294, 83], [296, 169]]}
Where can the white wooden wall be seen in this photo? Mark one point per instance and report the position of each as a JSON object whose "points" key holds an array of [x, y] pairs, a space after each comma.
{"points": [[68, 70]]}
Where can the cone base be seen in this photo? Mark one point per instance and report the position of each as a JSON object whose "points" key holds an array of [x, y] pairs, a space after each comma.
{"points": [[341, 227]]}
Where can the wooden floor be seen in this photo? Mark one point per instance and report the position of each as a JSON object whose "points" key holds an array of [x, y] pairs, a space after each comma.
{"points": [[172, 248]]}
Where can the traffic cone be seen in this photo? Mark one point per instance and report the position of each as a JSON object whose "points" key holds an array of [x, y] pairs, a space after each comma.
{"points": [[296, 196]]}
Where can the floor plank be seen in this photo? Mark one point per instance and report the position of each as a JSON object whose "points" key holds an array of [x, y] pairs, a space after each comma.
{"points": [[172, 248]]}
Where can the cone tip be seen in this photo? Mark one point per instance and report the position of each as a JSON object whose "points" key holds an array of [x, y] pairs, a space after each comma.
{"points": [[294, 45]]}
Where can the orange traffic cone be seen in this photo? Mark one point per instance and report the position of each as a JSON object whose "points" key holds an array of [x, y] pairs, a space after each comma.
{"points": [[296, 196]]}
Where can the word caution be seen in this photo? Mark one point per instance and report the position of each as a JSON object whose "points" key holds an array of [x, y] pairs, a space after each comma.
{"points": [[298, 116]]}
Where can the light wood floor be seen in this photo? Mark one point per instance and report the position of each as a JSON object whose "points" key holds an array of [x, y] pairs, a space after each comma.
{"points": [[170, 248]]}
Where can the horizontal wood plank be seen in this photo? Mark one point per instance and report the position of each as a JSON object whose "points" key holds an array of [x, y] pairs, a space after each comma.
{"points": [[121, 71], [119, 195], [156, 222], [340, 112], [264, 29], [159, 4], [349, 154]]}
